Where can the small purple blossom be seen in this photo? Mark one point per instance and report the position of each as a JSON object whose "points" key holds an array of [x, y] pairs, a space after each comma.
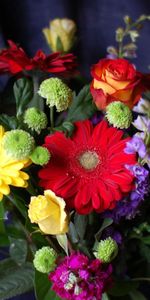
{"points": [[129, 206], [136, 144], [142, 123], [138, 171], [113, 233], [143, 106], [87, 282]]}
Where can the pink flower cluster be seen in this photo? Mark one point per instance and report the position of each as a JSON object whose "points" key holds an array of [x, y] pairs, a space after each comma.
{"points": [[79, 278]]}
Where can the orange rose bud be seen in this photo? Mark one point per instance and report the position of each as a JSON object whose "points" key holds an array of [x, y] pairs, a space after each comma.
{"points": [[117, 80]]}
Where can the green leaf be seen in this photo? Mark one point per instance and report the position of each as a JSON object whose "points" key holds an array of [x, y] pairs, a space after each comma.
{"points": [[23, 91], [15, 280], [4, 239], [105, 297], [18, 250], [82, 106], [42, 287], [8, 122], [59, 45], [19, 203], [2, 228], [146, 240], [122, 288], [63, 241], [145, 252], [107, 222], [81, 222], [136, 295], [73, 233]]}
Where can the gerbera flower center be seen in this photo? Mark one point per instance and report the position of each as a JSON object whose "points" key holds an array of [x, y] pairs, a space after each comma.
{"points": [[89, 160]]}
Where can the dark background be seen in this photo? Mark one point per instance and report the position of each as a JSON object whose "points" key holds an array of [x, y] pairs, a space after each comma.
{"points": [[23, 20]]}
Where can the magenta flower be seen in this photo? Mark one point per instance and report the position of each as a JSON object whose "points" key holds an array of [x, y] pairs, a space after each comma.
{"points": [[79, 278]]}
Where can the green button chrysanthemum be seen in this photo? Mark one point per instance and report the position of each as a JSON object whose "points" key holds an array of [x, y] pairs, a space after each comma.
{"points": [[40, 156], [35, 119], [56, 92], [106, 250], [119, 114], [18, 144], [45, 260]]}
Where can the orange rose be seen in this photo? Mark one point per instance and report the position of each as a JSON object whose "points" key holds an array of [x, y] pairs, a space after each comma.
{"points": [[116, 79]]}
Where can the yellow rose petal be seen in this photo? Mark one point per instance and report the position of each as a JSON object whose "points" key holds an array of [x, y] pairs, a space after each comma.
{"points": [[107, 89]]}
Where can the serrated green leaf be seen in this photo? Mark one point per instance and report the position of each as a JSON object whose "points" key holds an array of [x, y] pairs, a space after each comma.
{"points": [[8, 122], [23, 92], [18, 250], [82, 106], [15, 280], [42, 287], [136, 295]]}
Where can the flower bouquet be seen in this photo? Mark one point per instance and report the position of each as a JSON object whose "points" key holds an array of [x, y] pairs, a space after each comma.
{"points": [[74, 172]]}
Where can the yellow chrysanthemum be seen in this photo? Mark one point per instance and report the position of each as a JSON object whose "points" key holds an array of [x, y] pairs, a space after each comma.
{"points": [[10, 170]]}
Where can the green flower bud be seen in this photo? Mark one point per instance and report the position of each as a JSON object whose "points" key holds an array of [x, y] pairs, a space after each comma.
{"points": [[40, 156], [35, 119], [45, 260], [119, 115], [18, 144], [106, 250], [56, 92]]}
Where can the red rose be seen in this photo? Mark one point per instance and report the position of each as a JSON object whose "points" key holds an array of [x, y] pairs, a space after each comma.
{"points": [[116, 80]]}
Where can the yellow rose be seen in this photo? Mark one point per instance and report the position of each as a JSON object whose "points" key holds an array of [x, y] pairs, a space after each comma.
{"points": [[60, 35], [48, 211]]}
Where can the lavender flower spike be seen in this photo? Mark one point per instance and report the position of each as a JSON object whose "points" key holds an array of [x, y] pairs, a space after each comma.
{"points": [[142, 124], [136, 144]]}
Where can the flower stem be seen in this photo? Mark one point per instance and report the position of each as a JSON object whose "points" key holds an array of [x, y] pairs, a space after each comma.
{"points": [[52, 117], [141, 279]]}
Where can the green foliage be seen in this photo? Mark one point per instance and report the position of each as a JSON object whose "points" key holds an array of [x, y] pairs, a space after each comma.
{"points": [[15, 280], [8, 122], [80, 222], [63, 241], [82, 106], [23, 92], [122, 288], [136, 295], [42, 287], [3, 236], [107, 222], [105, 297], [18, 250], [18, 202]]}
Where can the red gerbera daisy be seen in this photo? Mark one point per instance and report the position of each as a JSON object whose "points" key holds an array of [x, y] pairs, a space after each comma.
{"points": [[88, 170], [14, 60]]}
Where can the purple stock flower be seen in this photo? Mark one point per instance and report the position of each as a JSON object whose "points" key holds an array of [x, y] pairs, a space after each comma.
{"points": [[79, 278], [136, 144], [142, 123], [113, 233], [143, 106], [129, 206]]}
